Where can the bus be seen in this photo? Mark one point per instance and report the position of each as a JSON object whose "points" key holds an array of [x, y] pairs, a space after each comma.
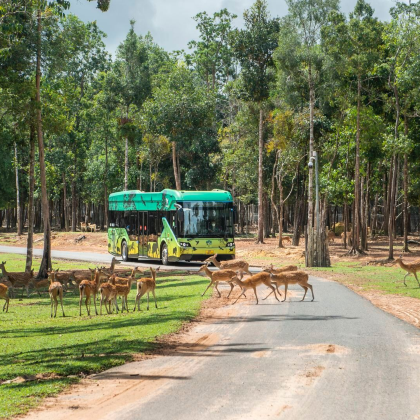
{"points": [[171, 225]]}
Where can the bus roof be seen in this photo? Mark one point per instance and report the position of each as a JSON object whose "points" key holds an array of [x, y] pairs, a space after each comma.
{"points": [[164, 200]]}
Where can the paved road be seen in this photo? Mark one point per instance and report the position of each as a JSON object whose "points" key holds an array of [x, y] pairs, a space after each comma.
{"points": [[338, 357], [104, 258]]}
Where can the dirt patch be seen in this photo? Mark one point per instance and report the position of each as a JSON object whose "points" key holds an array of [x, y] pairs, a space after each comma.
{"points": [[318, 349], [311, 375], [283, 409], [260, 354]]}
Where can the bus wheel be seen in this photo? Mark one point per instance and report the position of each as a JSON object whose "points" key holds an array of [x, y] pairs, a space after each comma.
{"points": [[124, 251], [165, 259]]}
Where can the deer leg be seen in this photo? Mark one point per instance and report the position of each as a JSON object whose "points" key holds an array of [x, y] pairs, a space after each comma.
{"points": [[231, 288], [306, 290], [61, 301], [147, 300], [273, 290], [51, 299], [285, 291], [215, 286], [255, 292], [94, 303], [154, 296], [55, 305], [80, 302], [87, 300], [243, 290], [415, 274], [268, 295], [211, 282], [405, 284]]}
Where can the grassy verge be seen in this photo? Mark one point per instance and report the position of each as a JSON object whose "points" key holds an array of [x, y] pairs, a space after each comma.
{"points": [[59, 350], [388, 280]]}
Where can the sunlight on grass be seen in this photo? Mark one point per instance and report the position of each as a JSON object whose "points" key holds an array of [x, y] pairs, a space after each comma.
{"points": [[32, 343]]}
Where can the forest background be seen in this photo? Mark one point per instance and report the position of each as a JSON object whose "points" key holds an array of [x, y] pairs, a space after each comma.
{"points": [[239, 109]]}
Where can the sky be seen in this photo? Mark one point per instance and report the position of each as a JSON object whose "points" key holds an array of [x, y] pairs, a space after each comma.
{"points": [[170, 21]]}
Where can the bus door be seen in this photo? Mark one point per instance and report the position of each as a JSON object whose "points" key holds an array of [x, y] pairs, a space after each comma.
{"points": [[143, 233]]}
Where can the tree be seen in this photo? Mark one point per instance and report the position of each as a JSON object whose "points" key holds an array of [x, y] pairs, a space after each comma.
{"points": [[254, 47], [299, 56], [355, 46]]}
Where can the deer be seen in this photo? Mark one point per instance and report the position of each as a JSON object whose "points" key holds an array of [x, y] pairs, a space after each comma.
{"points": [[108, 293], [271, 269], [5, 281], [123, 288], [17, 279], [111, 269], [55, 289], [92, 227], [331, 236], [4, 295], [229, 265], [286, 239], [218, 276], [83, 226], [39, 284], [411, 268], [88, 288], [146, 285], [253, 282], [292, 277]]}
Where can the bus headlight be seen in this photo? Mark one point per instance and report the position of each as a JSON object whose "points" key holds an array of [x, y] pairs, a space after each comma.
{"points": [[230, 244], [185, 244]]}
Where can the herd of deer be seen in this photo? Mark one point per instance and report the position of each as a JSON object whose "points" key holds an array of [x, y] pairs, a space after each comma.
{"points": [[98, 281], [109, 286]]}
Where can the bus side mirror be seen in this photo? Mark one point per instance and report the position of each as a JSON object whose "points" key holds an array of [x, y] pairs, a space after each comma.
{"points": [[235, 215], [180, 215]]}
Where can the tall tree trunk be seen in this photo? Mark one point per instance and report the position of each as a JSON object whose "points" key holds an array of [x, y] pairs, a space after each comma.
{"points": [[405, 187], [273, 203], [356, 216], [73, 195], [106, 185], [260, 233], [176, 169], [31, 210], [18, 209], [65, 209], [310, 243], [46, 255], [126, 165]]}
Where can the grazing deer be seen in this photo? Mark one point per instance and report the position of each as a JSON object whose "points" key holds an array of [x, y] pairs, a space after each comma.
{"points": [[146, 285], [17, 279], [55, 289], [252, 283], [292, 277], [411, 268], [4, 295], [218, 276], [39, 284], [88, 288], [230, 265]]}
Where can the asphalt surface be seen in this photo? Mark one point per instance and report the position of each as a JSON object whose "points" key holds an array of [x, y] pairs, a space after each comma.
{"points": [[97, 258], [338, 357]]}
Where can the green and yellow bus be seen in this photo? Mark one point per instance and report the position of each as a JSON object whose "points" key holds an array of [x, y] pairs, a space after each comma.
{"points": [[171, 225]]}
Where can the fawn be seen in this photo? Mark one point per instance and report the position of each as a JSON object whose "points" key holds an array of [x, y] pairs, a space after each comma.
{"points": [[411, 268], [218, 276], [55, 289], [146, 285], [4, 295], [108, 293], [229, 265], [88, 288], [292, 277], [252, 283]]}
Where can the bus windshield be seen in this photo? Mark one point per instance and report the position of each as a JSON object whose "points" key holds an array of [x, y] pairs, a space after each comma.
{"points": [[206, 219]]}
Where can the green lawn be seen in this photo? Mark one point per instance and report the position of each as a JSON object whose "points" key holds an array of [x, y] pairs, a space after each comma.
{"points": [[385, 279], [31, 343]]}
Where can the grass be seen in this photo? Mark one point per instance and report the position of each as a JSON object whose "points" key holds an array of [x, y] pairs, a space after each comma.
{"points": [[61, 349], [388, 280]]}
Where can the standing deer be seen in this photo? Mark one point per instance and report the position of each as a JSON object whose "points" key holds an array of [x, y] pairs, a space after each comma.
{"points": [[253, 282], [292, 277], [230, 265], [146, 285], [271, 269], [4, 295], [88, 288], [55, 289], [17, 279], [411, 268], [108, 293], [218, 276]]}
